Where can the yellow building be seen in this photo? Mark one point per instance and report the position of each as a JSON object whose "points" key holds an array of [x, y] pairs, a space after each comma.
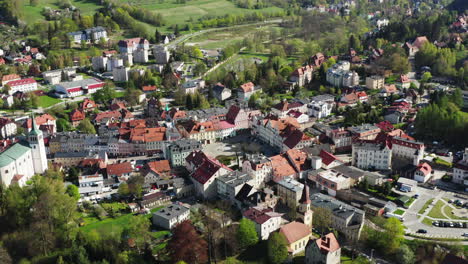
{"points": [[297, 235]]}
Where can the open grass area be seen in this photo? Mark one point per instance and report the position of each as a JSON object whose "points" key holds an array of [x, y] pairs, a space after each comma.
{"points": [[436, 211], [442, 162], [399, 212], [181, 13], [426, 205], [46, 101], [33, 14], [448, 211], [409, 202], [427, 221]]}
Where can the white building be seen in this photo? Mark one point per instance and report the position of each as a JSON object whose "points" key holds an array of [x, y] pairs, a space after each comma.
{"points": [[89, 35], [369, 155], [339, 75], [170, 216], [266, 220], [350, 79], [161, 54], [99, 63], [120, 74], [22, 160], [114, 63], [79, 88], [332, 181], [321, 106], [7, 127], [90, 184], [460, 171], [229, 185], [407, 149], [24, 86]]}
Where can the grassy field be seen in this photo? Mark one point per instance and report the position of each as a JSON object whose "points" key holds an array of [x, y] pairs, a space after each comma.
{"points": [[448, 211], [399, 212], [436, 211], [175, 13], [426, 205], [46, 101], [33, 13], [427, 221]]}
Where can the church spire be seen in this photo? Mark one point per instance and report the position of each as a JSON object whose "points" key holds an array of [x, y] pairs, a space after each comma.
{"points": [[35, 130], [305, 197]]}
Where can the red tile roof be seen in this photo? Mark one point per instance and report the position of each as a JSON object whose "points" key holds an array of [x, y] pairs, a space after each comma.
{"points": [[21, 82], [327, 243], [327, 158], [207, 170], [160, 166], [149, 88], [119, 168], [77, 115], [260, 215], [425, 168], [10, 77], [247, 87]]}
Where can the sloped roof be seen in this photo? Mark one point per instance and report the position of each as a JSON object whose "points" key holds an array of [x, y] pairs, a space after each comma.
{"points": [[328, 243], [295, 231]]}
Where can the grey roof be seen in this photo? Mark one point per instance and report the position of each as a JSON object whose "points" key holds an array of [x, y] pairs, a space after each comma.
{"points": [[207, 113], [234, 178], [362, 128], [322, 97], [338, 208], [184, 144], [80, 83], [171, 211], [350, 171], [291, 184]]}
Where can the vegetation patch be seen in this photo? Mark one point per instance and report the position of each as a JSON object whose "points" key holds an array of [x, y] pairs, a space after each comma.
{"points": [[426, 205], [399, 212], [47, 101], [436, 211]]}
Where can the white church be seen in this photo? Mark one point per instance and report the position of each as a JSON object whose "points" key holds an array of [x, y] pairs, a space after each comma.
{"points": [[24, 159]]}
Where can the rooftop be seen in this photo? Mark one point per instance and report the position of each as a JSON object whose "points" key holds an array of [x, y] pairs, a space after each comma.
{"points": [[171, 211]]}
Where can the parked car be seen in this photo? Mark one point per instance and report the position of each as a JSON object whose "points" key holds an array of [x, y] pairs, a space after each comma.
{"points": [[435, 223], [451, 224], [465, 234], [422, 231], [416, 196]]}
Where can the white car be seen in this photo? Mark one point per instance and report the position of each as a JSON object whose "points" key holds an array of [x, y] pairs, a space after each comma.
{"points": [[465, 234]]}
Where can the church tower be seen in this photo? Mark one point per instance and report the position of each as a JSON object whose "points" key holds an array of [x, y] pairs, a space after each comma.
{"points": [[36, 142], [304, 211]]}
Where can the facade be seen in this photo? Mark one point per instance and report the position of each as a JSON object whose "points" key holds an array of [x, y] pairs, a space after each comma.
{"points": [[372, 155], [297, 236], [89, 35], [99, 63], [161, 54], [221, 93], [22, 160], [131, 45], [407, 149], [301, 76], [324, 250], [290, 191], [350, 79], [177, 151], [246, 90], [23, 85], [460, 171], [170, 216], [339, 75], [346, 219], [120, 74], [423, 172], [7, 127], [332, 181], [90, 184], [321, 106], [375, 82], [266, 220], [57, 76], [205, 175]]}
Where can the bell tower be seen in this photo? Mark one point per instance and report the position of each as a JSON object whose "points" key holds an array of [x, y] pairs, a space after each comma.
{"points": [[304, 211], [36, 142]]}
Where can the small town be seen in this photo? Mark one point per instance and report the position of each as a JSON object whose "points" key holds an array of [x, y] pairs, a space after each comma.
{"points": [[234, 132]]}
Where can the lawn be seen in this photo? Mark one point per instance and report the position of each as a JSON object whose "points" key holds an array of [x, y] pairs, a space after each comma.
{"points": [[443, 162], [399, 212], [175, 13], [409, 202], [427, 221], [448, 211], [426, 205], [46, 101], [33, 14], [436, 211]]}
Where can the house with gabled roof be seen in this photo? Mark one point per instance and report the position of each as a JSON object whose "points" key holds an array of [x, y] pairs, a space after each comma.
{"points": [[265, 219], [246, 90], [323, 250], [297, 236]]}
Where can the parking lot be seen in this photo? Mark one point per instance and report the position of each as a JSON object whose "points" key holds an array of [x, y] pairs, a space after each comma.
{"points": [[434, 205]]}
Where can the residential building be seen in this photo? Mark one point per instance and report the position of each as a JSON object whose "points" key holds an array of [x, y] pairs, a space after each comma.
{"points": [[246, 90], [321, 106], [331, 181], [131, 45], [90, 184], [177, 151], [370, 155], [423, 172], [259, 168], [170, 216], [323, 250], [57, 76], [301, 76], [346, 219], [78, 88], [99, 63], [404, 148], [139, 56], [10, 77], [350, 79], [153, 200], [7, 127], [364, 131], [375, 82], [120, 74], [76, 116], [221, 93], [241, 118], [121, 171], [229, 185], [339, 75], [284, 107], [193, 86], [93, 35], [265, 219], [161, 54], [88, 105], [460, 171], [415, 46], [297, 236], [22, 160], [289, 191], [204, 177], [23, 85], [341, 138]]}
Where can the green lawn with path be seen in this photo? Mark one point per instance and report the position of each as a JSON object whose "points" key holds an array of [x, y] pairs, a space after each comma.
{"points": [[427, 221], [33, 14], [47, 101], [448, 211], [426, 205], [436, 211]]}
